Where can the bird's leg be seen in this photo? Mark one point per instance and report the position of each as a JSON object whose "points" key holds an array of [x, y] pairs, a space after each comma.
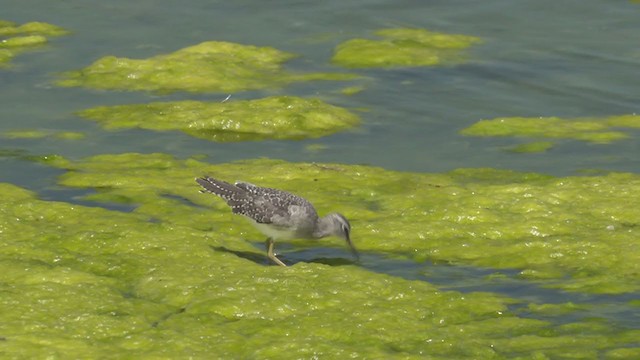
{"points": [[270, 253]]}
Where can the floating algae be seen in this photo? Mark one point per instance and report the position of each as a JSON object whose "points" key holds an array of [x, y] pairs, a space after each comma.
{"points": [[403, 47], [569, 233], [90, 281], [212, 66], [40, 134], [15, 39], [277, 117], [594, 130]]}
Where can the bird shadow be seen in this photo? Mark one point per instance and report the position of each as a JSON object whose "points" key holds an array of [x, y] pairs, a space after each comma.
{"points": [[288, 258]]}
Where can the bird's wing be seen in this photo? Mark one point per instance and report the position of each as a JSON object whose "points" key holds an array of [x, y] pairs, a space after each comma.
{"points": [[280, 207], [264, 205], [246, 186], [277, 197]]}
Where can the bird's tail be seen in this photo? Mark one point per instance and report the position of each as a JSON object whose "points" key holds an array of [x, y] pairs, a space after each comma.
{"points": [[218, 187]]}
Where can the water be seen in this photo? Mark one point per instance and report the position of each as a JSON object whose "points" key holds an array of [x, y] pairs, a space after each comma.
{"points": [[540, 58]]}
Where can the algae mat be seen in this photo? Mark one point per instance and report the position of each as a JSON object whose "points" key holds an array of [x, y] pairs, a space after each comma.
{"points": [[205, 67], [401, 47], [602, 130], [41, 134], [177, 277], [275, 117], [16, 39]]}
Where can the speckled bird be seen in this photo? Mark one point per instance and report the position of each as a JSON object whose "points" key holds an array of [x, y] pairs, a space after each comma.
{"points": [[278, 214]]}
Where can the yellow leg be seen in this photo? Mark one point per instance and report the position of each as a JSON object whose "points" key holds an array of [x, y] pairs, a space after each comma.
{"points": [[270, 253]]}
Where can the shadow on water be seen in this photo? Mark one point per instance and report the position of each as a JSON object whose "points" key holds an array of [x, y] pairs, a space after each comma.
{"points": [[466, 279]]}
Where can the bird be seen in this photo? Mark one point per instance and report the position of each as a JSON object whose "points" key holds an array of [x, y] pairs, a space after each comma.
{"points": [[278, 214]]}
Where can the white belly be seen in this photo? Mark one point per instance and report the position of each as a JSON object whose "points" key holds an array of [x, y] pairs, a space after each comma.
{"points": [[275, 233]]}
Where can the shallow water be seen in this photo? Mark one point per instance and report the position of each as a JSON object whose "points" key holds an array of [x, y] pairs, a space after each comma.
{"points": [[540, 58]]}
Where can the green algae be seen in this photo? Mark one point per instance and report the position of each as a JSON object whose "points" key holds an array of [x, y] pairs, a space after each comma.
{"points": [[594, 130], [8, 28], [25, 134], [23, 41], [555, 309], [315, 148], [569, 233], [15, 39], [40, 134], [212, 66], [69, 135], [403, 47], [626, 121], [352, 90], [277, 117], [150, 284]]}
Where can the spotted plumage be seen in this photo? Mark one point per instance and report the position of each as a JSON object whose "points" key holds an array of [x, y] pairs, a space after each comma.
{"points": [[278, 214]]}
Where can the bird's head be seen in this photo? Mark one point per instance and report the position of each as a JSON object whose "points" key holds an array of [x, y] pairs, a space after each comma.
{"points": [[336, 224]]}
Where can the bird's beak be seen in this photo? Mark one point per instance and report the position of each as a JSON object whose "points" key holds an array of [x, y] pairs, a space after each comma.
{"points": [[354, 252]]}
